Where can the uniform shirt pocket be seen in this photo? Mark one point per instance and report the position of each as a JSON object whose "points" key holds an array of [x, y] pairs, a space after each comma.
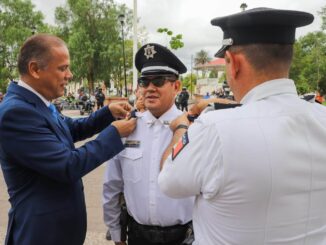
{"points": [[131, 164]]}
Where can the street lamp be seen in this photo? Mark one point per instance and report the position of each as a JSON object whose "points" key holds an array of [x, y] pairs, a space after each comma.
{"points": [[33, 30], [121, 18]]}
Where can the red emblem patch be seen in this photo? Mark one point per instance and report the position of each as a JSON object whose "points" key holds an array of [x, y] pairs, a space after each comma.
{"points": [[177, 148]]}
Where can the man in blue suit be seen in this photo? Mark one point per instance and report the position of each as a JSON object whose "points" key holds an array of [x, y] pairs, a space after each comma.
{"points": [[40, 164]]}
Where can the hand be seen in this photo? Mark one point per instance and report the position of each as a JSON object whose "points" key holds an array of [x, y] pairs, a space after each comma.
{"points": [[120, 243], [182, 119], [120, 109], [125, 126]]}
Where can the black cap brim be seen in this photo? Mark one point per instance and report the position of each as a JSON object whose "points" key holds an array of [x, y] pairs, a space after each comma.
{"points": [[221, 52]]}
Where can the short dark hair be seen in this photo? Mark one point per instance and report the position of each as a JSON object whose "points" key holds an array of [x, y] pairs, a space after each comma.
{"points": [[266, 57], [37, 48]]}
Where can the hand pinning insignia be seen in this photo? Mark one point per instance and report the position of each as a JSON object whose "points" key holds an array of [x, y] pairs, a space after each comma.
{"points": [[149, 51]]}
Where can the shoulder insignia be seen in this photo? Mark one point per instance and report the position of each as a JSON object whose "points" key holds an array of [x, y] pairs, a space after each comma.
{"points": [[177, 148]]}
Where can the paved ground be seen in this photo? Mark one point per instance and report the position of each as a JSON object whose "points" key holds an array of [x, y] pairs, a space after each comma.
{"points": [[93, 189]]}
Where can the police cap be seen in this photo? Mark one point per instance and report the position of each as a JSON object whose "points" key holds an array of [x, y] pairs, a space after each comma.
{"points": [[154, 59], [260, 26]]}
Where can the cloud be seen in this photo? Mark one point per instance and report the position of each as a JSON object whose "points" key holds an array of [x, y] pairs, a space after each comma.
{"points": [[191, 18]]}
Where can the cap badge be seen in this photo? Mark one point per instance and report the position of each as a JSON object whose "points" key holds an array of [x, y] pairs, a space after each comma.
{"points": [[227, 42], [149, 51]]}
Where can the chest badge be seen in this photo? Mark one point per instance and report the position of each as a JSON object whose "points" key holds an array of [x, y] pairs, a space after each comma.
{"points": [[132, 143]]}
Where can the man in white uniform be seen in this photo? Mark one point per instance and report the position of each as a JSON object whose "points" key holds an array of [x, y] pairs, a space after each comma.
{"points": [[155, 219], [258, 171]]}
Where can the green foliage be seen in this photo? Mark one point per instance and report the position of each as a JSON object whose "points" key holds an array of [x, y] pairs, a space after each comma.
{"points": [[202, 57], [93, 33], [322, 13], [189, 81], [17, 21], [308, 68], [175, 41]]}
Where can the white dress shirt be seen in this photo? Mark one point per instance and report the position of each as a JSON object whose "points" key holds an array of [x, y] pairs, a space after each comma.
{"points": [[25, 85], [258, 171], [135, 171]]}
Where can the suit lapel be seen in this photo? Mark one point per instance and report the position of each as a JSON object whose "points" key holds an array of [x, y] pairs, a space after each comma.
{"points": [[61, 129]]}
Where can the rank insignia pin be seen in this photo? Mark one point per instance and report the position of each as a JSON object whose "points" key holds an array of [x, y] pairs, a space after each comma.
{"points": [[149, 51]]}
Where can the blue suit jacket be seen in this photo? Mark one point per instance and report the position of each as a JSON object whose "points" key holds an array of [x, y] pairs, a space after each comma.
{"points": [[43, 169]]}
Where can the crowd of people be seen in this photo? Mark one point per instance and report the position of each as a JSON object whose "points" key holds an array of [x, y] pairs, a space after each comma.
{"points": [[252, 173]]}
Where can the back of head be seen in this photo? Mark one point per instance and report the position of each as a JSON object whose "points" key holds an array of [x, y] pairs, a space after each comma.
{"points": [[264, 35], [37, 48]]}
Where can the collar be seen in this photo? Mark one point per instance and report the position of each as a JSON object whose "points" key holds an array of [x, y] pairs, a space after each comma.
{"points": [[26, 86], [270, 88], [164, 119]]}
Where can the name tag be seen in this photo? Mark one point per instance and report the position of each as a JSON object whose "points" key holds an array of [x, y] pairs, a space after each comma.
{"points": [[132, 143]]}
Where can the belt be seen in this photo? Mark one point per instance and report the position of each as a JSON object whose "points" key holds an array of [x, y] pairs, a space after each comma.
{"points": [[158, 234]]}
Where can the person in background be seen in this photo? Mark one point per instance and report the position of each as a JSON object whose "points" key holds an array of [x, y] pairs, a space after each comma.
{"points": [[206, 96], [40, 164], [100, 97], [184, 97], [258, 171], [154, 218]]}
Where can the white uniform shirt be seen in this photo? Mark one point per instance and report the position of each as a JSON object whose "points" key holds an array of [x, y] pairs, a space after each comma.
{"points": [[135, 171], [259, 171]]}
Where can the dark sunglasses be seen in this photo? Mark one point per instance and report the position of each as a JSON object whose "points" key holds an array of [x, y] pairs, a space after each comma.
{"points": [[157, 81]]}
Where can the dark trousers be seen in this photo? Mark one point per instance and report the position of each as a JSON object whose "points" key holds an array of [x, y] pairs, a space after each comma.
{"points": [[154, 235], [140, 241], [184, 107], [99, 104]]}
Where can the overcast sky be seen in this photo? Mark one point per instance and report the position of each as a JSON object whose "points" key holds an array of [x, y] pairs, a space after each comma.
{"points": [[191, 18]]}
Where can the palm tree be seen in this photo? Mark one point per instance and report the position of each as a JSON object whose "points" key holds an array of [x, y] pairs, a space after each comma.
{"points": [[202, 58], [243, 6]]}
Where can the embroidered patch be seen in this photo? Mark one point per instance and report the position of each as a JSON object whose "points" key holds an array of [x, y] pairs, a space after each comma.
{"points": [[132, 143], [177, 148]]}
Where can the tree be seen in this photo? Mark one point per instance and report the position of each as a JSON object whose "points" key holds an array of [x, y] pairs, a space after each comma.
{"points": [[322, 13], [309, 63], [243, 6], [187, 80], [92, 31], [202, 58], [175, 41], [18, 20]]}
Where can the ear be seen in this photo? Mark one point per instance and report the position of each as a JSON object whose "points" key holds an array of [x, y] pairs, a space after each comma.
{"points": [[233, 62], [33, 69], [177, 85]]}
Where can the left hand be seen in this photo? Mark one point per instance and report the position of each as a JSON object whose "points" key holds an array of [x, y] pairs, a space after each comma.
{"points": [[182, 119], [120, 109]]}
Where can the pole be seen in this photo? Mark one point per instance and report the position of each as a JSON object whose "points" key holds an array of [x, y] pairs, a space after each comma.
{"points": [[135, 42], [191, 77], [124, 59]]}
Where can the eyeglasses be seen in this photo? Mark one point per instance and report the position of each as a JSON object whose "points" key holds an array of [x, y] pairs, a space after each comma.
{"points": [[157, 81]]}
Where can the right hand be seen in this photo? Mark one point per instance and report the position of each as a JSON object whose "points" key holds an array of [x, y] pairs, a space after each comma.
{"points": [[120, 243], [125, 126], [182, 119], [120, 109]]}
